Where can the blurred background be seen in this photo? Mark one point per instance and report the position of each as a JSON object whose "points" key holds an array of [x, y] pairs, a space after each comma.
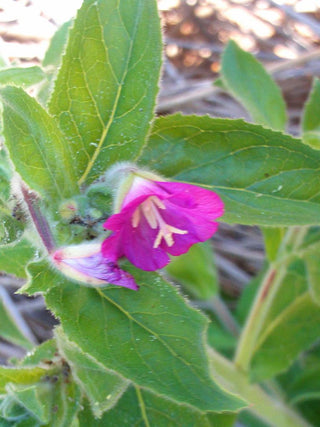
{"points": [[284, 36]]}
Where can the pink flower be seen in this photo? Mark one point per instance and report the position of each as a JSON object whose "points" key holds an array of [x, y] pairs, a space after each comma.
{"points": [[85, 263], [159, 218]]}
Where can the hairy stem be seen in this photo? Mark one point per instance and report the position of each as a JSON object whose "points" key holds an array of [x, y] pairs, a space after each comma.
{"points": [[38, 219]]}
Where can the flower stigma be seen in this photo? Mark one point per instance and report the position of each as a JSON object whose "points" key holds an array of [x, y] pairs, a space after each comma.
{"points": [[150, 209]]}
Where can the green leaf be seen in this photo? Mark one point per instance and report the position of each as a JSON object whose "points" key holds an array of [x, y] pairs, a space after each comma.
{"points": [[138, 407], [11, 411], [5, 176], [311, 258], [196, 271], [294, 330], [55, 404], [151, 337], [15, 257], [271, 409], [20, 376], [56, 399], [57, 46], [9, 329], [52, 61], [312, 138], [19, 76], [65, 403], [101, 386], [311, 114], [28, 397], [10, 229], [40, 278], [40, 354], [272, 241], [306, 386], [36, 146], [294, 285], [105, 91], [247, 80], [264, 177]]}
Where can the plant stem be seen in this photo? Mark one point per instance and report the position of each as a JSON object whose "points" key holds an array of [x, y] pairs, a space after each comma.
{"points": [[265, 296], [223, 314], [255, 320], [39, 221], [271, 410]]}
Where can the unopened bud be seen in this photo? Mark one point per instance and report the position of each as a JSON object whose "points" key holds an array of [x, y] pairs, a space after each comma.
{"points": [[85, 263]]}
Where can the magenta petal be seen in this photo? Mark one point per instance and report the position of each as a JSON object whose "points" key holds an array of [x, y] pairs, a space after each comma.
{"points": [[136, 244], [171, 217], [205, 202]]}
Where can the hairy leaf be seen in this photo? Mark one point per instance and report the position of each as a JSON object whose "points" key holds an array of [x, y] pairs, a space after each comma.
{"points": [[101, 386], [141, 408], [15, 257], [19, 76], [106, 88], [264, 177], [36, 146], [151, 337]]}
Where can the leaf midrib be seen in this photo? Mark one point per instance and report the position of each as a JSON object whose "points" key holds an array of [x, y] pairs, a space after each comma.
{"points": [[116, 103]]}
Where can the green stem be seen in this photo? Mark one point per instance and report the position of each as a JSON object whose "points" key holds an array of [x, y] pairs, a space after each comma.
{"points": [[257, 315], [222, 312], [270, 409], [265, 296]]}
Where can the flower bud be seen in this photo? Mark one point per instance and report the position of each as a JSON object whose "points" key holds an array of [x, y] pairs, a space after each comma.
{"points": [[85, 264]]}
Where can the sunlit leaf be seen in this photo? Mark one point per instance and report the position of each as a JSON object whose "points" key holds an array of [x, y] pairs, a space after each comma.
{"points": [[105, 91], [247, 80]]}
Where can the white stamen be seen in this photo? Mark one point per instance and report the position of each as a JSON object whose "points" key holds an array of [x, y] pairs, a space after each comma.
{"points": [[149, 208]]}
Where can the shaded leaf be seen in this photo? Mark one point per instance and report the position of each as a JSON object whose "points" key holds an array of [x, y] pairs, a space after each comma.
{"points": [[196, 271], [311, 114], [105, 91], [294, 330], [306, 386], [279, 188], [9, 330], [247, 80]]}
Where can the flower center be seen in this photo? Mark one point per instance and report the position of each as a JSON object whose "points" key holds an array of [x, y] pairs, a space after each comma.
{"points": [[150, 209]]}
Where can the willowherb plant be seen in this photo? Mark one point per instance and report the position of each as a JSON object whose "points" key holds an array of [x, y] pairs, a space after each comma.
{"points": [[108, 193]]}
